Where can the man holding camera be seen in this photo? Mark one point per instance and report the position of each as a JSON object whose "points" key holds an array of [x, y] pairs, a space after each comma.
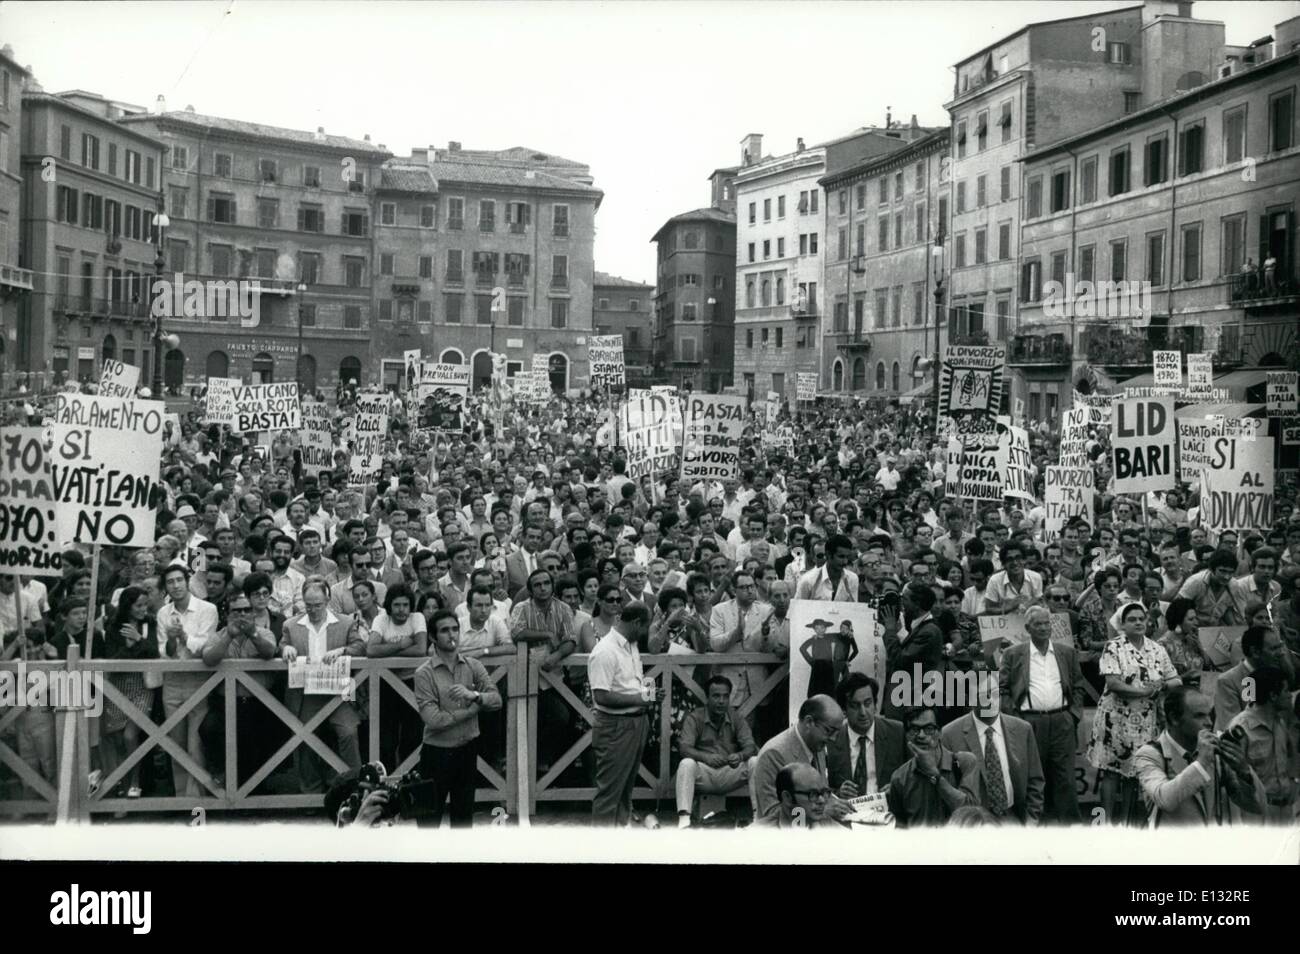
{"points": [[451, 689], [1188, 773]]}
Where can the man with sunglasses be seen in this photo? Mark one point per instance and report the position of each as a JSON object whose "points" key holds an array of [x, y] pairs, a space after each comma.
{"points": [[546, 624], [934, 782], [241, 638], [820, 719]]}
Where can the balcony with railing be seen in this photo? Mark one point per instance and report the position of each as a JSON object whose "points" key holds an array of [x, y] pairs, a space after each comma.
{"points": [[854, 339], [1262, 287], [13, 278], [1116, 349], [92, 307], [806, 308], [1041, 350]]}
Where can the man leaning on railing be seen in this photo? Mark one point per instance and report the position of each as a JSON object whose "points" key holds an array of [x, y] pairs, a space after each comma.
{"points": [[241, 639]]}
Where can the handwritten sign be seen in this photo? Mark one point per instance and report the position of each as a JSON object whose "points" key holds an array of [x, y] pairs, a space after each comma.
{"points": [[266, 407], [317, 439], [1074, 436], [1098, 405], [1221, 644], [1237, 484], [711, 442], [646, 429], [970, 387], [220, 407], [807, 386], [605, 357], [1168, 368], [411, 362], [541, 379], [1142, 445], [995, 629], [118, 379], [444, 389], [1200, 376], [1282, 393], [972, 472], [1068, 494], [1014, 463], [368, 428], [104, 468], [29, 543], [1061, 630]]}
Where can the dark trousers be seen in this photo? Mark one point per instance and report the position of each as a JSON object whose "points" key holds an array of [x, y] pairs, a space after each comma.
{"points": [[1058, 743], [617, 742], [251, 724], [454, 773]]}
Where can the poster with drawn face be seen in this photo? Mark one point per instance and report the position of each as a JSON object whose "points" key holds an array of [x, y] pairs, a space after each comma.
{"points": [[970, 387], [828, 640]]}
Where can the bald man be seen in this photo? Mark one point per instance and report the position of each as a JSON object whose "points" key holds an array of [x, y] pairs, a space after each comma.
{"points": [[804, 795], [820, 718]]}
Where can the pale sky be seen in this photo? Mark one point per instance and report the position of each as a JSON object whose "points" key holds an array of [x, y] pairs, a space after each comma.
{"points": [[653, 96]]}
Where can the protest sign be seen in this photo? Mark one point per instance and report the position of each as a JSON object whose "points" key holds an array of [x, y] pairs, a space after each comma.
{"points": [[711, 440], [1221, 645], [646, 429], [118, 379], [807, 386], [1068, 494], [779, 437], [541, 378], [1290, 433], [972, 472], [266, 407], [1014, 464], [1194, 438], [368, 428], [1200, 375], [1074, 436], [772, 407], [675, 405], [970, 387], [317, 441], [29, 541], [1168, 368], [1062, 632], [994, 629], [1282, 393], [821, 630], [605, 357], [1237, 484], [104, 468], [411, 362], [220, 407], [1098, 405], [1142, 444], [443, 391]]}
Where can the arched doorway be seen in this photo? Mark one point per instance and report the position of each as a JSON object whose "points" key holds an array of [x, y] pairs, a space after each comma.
{"points": [[350, 371], [481, 372], [837, 375], [451, 356], [217, 365], [880, 375], [859, 374], [110, 348], [174, 370], [558, 368], [916, 367], [306, 374], [894, 376], [263, 368]]}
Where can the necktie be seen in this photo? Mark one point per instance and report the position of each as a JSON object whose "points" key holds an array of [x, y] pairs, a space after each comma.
{"points": [[993, 771], [860, 773]]}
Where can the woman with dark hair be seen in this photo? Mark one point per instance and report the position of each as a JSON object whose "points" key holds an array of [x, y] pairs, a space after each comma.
{"points": [[1181, 642], [611, 573], [1137, 670], [132, 634]]}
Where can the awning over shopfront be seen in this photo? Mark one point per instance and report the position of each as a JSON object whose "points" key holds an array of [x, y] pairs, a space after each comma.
{"points": [[918, 393], [1236, 382], [1220, 410]]}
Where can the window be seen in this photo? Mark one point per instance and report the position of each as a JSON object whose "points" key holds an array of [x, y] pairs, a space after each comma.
{"points": [[780, 291], [65, 142], [961, 197], [941, 223], [1154, 165], [178, 255], [691, 240], [515, 312], [1281, 121], [1156, 258], [813, 199], [1004, 191], [455, 265], [1192, 252], [1234, 134], [221, 208], [920, 222], [1058, 267], [133, 223], [429, 216], [1060, 190], [812, 243], [1034, 198], [918, 303], [982, 130], [452, 305], [1132, 100], [764, 334], [767, 210], [1087, 263], [688, 349], [860, 240], [353, 271], [860, 196], [221, 164], [426, 266], [898, 230], [780, 248], [767, 248], [113, 217], [487, 215], [1118, 53], [779, 339], [307, 315], [844, 202], [1004, 241], [89, 151], [386, 263], [1119, 170], [264, 262], [1031, 280], [1191, 148], [1234, 244], [1003, 310], [803, 203], [803, 244], [559, 275], [483, 309], [749, 293], [66, 205], [603, 304], [961, 140], [883, 197], [981, 192], [882, 234], [859, 306], [749, 339], [919, 177], [518, 216], [896, 306], [455, 214], [753, 212], [560, 220], [559, 313], [1119, 260], [388, 213], [385, 309], [221, 259], [959, 250], [426, 312], [634, 304], [268, 214], [898, 186], [486, 265], [311, 218], [266, 170], [751, 251], [356, 222], [92, 211], [309, 268], [981, 246], [780, 206], [765, 292], [311, 177], [1088, 180], [1004, 121], [180, 158]]}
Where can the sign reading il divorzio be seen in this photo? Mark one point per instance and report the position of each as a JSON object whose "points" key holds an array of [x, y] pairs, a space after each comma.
{"points": [[605, 355], [104, 468], [970, 388], [711, 442], [266, 407]]}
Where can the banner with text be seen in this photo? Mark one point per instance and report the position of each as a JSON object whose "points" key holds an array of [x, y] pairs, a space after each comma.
{"points": [[1074, 436], [444, 389], [118, 379], [807, 386], [29, 540], [1200, 376], [646, 429], [368, 429], [1168, 368], [266, 407], [1068, 494], [1237, 484], [711, 440], [1143, 437], [605, 357], [970, 388], [1098, 405], [220, 406], [1282, 393], [317, 439]]}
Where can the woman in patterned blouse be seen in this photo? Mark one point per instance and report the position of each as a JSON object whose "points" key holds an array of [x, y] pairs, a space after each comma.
{"points": [[1181, 642]]}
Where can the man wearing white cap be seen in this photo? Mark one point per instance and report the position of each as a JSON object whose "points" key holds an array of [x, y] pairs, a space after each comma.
{"points": [[888, 475]]}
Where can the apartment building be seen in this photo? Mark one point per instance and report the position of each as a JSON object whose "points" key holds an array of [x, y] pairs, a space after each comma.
{"points": [[880, 274], [1187, 199], [626, 307], [15, 281]]}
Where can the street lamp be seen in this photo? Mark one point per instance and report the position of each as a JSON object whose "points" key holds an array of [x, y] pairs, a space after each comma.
{"points": [[937, 253], [302, 290], [161, 222], [713, 321]]}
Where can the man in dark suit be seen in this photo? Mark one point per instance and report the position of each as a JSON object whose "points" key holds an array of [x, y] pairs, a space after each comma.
{"points": [[521, 564], [1041, 682], [864, 733], [1011, 777], [921, 650]]}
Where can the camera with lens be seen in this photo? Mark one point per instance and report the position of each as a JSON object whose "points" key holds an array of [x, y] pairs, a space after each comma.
{"points": [[1236, 734], [409, 796]]}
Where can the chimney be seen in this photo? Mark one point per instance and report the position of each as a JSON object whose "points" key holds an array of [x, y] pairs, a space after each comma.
{"points": [[453, 146], [160, 105], [914, 124], [798, 145], [320, 134], [366, 137], [420, 155], [889, 116], [751, 149]]}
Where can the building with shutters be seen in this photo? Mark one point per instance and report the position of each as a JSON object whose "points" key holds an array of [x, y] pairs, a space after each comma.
{"points": [[625, 307], [1189, 198], [16, 282]]}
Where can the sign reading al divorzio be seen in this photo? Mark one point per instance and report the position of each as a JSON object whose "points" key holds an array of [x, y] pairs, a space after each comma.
{"points": [[1237, 484], [1142, 444], [104, 468], [266, 407], [605, 356], [970, 388], [711, 443]]}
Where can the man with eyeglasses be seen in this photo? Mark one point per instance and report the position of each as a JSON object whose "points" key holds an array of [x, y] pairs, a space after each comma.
{"points": [[634, 579], [1013, 588], [803, 796], [241, 638], [934, 782], [1129, 540], [742, 625], [820, 719], [340, 594]]}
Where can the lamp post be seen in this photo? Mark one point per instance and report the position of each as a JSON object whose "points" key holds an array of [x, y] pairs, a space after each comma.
{"points": [[937, 252], [302, 290], [161, 222], [713, 318]]}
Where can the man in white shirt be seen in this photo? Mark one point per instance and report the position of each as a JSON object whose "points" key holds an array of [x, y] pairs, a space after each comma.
{"points": [[888, 475], [834, 581], [286, 582], [861, 758], [974, 600], [1260, 585], [741, 625], [1011, 783], [482, 632], [623, 701], [185, 624], [1013, 588]]}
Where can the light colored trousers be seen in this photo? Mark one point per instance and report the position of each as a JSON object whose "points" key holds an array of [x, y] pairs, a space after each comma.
{"points": [[177, 689], [692, 775]]}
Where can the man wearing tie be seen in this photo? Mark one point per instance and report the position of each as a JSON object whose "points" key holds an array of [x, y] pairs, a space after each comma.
{"points": [[864, 754], [521, 564], [1012, 779], [820, 719], [1041, 682]]}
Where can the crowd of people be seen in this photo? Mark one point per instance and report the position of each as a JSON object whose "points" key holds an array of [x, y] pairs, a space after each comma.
{"points": [[525, 533]]}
